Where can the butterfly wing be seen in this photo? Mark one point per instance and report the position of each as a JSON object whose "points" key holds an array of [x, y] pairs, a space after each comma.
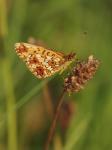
{"points": [[40, 61]]}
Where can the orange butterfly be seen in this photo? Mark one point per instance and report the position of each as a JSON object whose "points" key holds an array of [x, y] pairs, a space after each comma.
{"points": [[42, 62]]}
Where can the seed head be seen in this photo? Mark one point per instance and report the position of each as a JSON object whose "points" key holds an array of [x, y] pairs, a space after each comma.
{"points": [[81, 73]]}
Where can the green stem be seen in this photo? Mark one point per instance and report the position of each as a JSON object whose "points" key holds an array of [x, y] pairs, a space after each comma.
{"points": [[3, 19], [10, 101], [7, 79]]}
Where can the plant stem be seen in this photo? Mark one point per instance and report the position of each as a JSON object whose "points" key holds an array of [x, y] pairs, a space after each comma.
{"points": [[7, 79], [11, 115], [3, 19], [53, 125]]}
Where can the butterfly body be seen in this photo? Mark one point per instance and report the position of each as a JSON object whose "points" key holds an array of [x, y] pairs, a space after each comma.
{"points": [[41, 62]]}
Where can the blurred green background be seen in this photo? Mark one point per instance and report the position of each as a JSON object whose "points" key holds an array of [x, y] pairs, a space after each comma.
{"points": [[27, 104]]}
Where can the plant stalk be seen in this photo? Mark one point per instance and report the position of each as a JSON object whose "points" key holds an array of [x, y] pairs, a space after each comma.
{"points": [[53, 125], [10, 102]]}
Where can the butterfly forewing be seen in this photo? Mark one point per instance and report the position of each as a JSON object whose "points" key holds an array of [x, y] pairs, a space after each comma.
{"points": [[41, 62]]}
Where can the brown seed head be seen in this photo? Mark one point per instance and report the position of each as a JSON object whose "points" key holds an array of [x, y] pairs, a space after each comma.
{"points": [[81, 73]]}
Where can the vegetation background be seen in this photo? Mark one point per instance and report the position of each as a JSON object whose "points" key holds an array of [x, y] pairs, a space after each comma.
{"points": [[27, 104]]}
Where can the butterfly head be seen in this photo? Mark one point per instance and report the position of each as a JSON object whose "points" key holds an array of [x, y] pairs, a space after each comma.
{"points": [[70, 56]]}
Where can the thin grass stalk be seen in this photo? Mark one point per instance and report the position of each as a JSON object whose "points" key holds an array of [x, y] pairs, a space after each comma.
{"points": [[10, 101], [3, 19], [53, 125], [8, 84]]}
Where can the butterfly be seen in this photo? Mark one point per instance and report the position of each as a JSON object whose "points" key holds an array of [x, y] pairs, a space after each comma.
{"points": [[42, 62]]}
